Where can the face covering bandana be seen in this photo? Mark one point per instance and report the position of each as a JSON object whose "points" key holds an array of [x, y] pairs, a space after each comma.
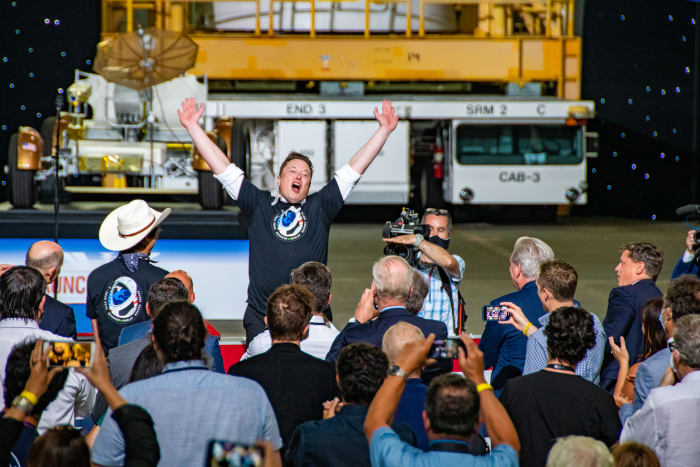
{"points": [[439, 241]]}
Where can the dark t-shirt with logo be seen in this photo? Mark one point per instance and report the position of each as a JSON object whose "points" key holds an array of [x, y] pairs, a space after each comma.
{"points": [[283, 236], [116, 297]]}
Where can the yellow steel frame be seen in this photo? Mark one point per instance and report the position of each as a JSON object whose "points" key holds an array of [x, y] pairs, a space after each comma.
{"points": [[495, 55]]}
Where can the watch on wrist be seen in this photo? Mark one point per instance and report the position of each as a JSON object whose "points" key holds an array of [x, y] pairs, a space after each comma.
{"points": [[419, 240], [23, 404], [396, 370]]}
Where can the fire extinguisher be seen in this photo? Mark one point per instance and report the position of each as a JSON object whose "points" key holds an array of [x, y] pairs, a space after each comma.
{"points": [[438, 160]]}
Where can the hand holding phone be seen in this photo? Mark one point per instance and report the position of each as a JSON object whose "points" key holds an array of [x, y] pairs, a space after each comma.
{"points": [[446, 348], [69, 354], [494, 313]]}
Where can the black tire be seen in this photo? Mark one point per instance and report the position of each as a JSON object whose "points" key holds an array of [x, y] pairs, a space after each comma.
{"points": [[22, 190], [211, 194], [47, 129], [428, 190]]}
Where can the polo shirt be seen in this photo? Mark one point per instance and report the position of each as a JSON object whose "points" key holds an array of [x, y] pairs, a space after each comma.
{"points": [[191, 405], [387, 450]]}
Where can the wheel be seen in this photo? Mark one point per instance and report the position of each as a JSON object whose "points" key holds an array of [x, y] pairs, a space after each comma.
{"points": [[211, 195], [22, 191], [47, 134], [428, 190]]}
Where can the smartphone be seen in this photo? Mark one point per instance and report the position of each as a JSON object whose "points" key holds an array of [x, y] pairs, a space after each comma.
{"points": [[70, 354], [494, 313], [231, 454], [447, 348]]}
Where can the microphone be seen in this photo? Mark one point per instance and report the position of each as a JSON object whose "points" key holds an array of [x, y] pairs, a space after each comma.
{"points": [[688, 209]]}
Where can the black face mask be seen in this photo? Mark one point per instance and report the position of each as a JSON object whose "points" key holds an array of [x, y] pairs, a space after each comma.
{"points": [[439, 241]]}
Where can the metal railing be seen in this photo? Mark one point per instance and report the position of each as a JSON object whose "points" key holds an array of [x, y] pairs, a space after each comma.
{"points": [[495, 17]]}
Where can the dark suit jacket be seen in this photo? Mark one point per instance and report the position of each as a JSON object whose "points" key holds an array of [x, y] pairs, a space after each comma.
{"points": [[504, 346], [296, 384], [623, 318], [337, 441], [372, 332], [692, 267], [58, 318]]}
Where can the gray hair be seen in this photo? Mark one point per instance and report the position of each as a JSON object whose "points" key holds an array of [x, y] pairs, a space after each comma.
{"points": [[686, 337], [580, 451], [393, 277], [44, 262], [420, 291], [397, 336], [529, 253]]}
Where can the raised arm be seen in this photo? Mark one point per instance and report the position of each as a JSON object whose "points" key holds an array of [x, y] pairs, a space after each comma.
{"points": [[189, 115], [387, 123]]}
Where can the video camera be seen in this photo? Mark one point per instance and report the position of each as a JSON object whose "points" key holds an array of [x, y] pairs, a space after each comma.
{"points": [[408, 223], [693, 212]]}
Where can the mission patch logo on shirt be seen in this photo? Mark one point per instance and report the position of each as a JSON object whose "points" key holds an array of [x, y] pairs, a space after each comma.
{"points": [[290, 224], [123, 300]]}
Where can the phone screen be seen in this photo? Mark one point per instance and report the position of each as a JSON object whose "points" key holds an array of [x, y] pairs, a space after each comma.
{"points": [[494, 313], [447, 348], [70, 354], [230, 454]]}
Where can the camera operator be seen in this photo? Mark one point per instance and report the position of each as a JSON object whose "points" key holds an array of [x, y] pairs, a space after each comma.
{"points": [[442, 270], [689, 263]]}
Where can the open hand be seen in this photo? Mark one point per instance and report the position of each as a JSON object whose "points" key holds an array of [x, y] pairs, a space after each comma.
{"points": [[619, 352], [690, 241], [190, 113], [388, 118], [409, 239]]}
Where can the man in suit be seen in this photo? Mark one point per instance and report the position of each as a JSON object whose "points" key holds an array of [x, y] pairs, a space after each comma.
{"points": [[639, 266], [296, 383], [504, 347], [682, 299], [382, 306], [47, 258], [689, 263], [338, 440]]}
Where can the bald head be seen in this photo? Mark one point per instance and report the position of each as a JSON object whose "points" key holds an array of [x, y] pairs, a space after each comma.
{"points": [[46, 257], [185, 278], [392, 279], [397, 336]]}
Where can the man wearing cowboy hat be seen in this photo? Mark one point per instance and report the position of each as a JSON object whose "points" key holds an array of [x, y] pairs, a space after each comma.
{"points": [[117, 291], [290, 227]]}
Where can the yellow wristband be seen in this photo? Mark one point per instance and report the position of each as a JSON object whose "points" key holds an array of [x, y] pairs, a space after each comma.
{"points": [[30, 397], [526, 328], [483, 387]]}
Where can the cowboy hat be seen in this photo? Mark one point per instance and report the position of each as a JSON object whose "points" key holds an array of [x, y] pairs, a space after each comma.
{"points": [[127, 225]]}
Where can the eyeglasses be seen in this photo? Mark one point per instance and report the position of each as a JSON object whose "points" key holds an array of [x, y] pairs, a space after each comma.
{"points": [[671, 345], [442, 212]]}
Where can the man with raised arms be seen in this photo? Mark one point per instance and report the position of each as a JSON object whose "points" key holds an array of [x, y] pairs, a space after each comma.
{"points": [[286, 228]]}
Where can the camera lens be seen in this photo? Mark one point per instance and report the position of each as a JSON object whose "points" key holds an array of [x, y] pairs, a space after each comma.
{"points": [[402, 251], [696, 237]]}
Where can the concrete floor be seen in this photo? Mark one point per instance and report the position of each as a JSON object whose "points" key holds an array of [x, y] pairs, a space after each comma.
{"points": [[590, 245]]}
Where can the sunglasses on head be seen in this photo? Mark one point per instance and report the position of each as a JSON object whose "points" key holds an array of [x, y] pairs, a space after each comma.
{"points": [[442, 212]]}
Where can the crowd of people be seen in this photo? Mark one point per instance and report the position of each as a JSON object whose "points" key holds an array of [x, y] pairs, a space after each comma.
{"points": [[565, 389]]}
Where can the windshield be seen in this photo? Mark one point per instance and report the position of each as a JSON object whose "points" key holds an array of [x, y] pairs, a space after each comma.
{"points": [[518, 145]]}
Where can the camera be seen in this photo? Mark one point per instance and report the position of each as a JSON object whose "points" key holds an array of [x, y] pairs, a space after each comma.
{"points": [[408, 223]]}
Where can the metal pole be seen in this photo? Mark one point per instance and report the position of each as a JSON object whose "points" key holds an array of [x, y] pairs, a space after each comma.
{"points": [[59, 105], [695, 157]]}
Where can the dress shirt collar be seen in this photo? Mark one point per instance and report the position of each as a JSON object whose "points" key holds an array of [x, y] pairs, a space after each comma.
{"points": [[692, 377], [317, 320], [544, 319], [19, 323], [184, 365], [393, 310]]}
